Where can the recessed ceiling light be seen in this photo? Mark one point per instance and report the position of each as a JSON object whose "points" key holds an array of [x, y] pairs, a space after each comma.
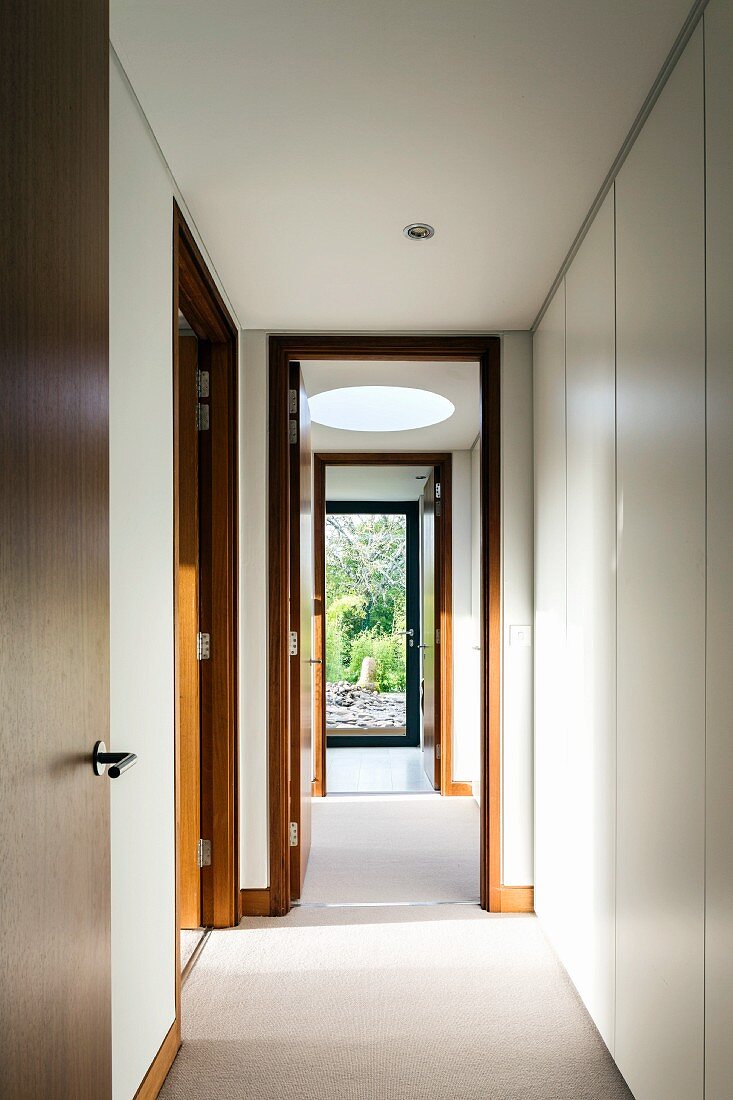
{"points": [[379, 408], [419, 231]]}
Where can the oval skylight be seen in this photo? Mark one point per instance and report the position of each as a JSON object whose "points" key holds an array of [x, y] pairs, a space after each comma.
{"points": [[379, 408]]}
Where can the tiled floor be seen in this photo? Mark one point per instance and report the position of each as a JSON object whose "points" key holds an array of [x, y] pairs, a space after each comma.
{"points": [[358, 771]]}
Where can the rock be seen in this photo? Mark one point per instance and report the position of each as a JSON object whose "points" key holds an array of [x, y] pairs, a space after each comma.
{"points": [[368, 678]]}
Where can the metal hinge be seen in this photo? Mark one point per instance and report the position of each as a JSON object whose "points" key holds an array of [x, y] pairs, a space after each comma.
{"points": [[293, 834], [437, 636], [292, 401], [204, 853], [203, 646], [202, 383], [293, 431], [293, 643], [437, 751], [202, 417]]}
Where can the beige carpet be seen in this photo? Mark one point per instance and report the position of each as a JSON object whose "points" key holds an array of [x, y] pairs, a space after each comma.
{"points": [[425, 1003], [190, 939], [393, 848]]}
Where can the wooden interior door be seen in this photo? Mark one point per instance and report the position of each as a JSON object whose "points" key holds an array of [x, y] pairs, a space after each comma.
{"points": [[430, 666], [187, 626], [54, 552], [301, 627]]}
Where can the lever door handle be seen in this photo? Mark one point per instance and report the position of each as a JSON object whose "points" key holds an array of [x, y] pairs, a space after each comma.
{"points": [[423, 646], [315, 661], [405, 633], [118, 762]]}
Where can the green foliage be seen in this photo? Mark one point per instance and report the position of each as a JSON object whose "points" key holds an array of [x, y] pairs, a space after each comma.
{"points": [[365, 597], [342, 618]]}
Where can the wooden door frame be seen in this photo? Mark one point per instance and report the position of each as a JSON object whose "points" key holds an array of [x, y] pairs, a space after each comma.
{"points": [[195, 293], [486, 351], [443, 461]]}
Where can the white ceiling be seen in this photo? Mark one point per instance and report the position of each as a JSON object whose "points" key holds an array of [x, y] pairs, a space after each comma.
{"points": [[305, 134], [459, 382], [375, 482]]}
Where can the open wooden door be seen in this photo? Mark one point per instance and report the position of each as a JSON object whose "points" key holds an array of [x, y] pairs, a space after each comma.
{"points": [[430, 680], [54, 553], [301, 627], [187, 611]]}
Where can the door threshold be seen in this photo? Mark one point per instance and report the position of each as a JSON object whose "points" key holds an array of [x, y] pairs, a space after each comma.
{"points": [[195, 955]]}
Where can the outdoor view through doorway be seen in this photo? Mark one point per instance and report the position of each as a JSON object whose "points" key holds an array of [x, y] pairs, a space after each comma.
{"points": [[373, 648], [387, 675]]}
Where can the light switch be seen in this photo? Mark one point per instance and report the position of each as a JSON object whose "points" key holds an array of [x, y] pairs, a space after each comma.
{"points": [[520, 635]]}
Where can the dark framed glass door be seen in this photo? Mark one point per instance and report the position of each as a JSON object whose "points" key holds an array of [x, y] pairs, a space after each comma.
{"points": [[372, 623]]}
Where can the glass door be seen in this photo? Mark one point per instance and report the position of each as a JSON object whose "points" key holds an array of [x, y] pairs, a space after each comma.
{"points": [[372, 624]]}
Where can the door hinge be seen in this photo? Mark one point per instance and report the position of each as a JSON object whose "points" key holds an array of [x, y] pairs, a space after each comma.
{"points": [[437, 751], [202, 417], [293, 834], [292, 401], [203, 646], [293, 643], [293, 431], [204, 853], [437, 636], [202, 383]]}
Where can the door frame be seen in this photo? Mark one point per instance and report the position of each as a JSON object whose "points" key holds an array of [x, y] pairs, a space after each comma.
{"points": [[486, 351], [443, 462], [410, 510], [195, 293]]}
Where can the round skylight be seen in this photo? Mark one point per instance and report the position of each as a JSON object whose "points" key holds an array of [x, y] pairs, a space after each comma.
{"points": [[379, 408]]}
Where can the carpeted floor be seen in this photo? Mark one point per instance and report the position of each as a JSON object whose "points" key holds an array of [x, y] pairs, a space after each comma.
{"points": [[388, 1002], [393, 848], [189, 941], [426, 1003]]}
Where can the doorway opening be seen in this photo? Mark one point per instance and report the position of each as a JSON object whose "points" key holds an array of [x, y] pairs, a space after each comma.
{"points": [[205, 601], [397, 556], [296, 644], [373, 693], [372, 624]]}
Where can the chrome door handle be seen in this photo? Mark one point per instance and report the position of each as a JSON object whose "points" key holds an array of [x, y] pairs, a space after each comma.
{"points": [[315, 661], [118, 762], [404, 633], [423, 646]]}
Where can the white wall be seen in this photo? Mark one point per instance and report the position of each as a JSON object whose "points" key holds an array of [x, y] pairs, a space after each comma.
{"points": [[141, 590], [660, 322], [576, 613], [719, 848], [466, 681], [516, 360], [141, 593], [254, 846], [551, 823], [517, 588], [590, 777], [651, 833]]}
